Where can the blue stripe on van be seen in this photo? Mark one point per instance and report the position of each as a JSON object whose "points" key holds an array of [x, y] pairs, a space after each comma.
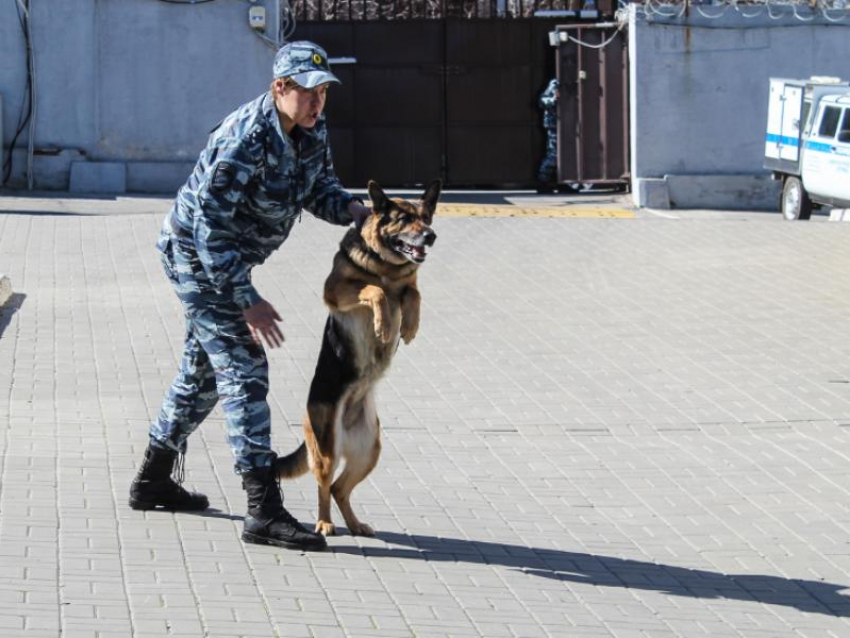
{"points": [[782, 139], [819, 146]]}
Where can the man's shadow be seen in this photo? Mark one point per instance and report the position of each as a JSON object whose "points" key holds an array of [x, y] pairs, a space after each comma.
{"points": [[7, 310], [591, 569]]}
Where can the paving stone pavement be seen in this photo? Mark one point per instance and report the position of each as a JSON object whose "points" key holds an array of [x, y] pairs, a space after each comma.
{"points": [[606, 427]]}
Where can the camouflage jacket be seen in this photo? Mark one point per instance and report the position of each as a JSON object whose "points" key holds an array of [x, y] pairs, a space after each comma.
{"points": [[245, 193], [548, 100]]}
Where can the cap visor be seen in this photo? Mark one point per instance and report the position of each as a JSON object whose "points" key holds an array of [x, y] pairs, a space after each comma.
{"points": [[310, 79]]}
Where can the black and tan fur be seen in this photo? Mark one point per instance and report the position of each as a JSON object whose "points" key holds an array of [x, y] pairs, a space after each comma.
{"points": [[374, 302]]}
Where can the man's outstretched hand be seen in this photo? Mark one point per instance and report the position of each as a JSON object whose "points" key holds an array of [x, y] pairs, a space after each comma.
{"points": [[262, 321], [359, 212]]}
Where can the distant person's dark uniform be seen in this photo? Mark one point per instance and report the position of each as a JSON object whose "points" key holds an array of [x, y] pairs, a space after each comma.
{"points": [[548, 101]]}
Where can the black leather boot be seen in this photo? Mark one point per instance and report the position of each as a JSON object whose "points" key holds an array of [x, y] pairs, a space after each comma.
{"points": [[267, 522], [153, 486]]}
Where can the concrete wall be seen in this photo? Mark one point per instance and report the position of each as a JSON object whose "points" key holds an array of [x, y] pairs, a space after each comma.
{"points": [[136, 83], [128, 91], [699, 89]]}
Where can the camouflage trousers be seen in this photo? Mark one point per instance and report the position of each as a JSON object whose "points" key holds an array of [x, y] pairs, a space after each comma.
{"points": [[547, 173], [220, 360]]}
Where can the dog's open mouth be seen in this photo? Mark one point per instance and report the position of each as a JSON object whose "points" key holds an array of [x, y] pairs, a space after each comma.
{"points": [[411, 251]]}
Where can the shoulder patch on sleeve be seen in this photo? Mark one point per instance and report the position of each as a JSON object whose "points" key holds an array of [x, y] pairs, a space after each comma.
{"points": [[222, 179]]}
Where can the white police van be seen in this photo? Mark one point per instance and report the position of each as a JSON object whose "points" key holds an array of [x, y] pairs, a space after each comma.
{"points": [[808, 143]]}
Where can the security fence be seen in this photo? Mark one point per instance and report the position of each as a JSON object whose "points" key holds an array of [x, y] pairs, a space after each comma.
{"points": [[361, 10]]}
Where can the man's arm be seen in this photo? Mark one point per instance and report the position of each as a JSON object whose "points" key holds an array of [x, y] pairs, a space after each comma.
{"points": [[358, 212], [231, 167], [217, 236]]}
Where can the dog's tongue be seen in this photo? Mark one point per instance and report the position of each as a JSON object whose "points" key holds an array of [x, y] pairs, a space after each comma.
{"points": [[419, 252]]}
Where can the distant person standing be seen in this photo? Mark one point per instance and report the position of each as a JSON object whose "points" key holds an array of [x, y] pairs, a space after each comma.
{"points": [[548, 101]]}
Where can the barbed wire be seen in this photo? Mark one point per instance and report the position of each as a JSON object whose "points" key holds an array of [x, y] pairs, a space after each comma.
{"points": [[836, 11], [366, 10]]}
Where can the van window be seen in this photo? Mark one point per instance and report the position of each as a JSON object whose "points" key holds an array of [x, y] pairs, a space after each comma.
{"points": [[829, 121], [807, 106], [844, 129]]}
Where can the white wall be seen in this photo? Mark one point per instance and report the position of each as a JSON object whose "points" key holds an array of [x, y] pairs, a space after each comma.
{"points": [[699, 90], [140, 81]]}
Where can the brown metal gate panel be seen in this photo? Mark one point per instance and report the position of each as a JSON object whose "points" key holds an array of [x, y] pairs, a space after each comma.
{"points": [[399, 98], [386, 120], [494, 72], [488, 85], [593, 131]]}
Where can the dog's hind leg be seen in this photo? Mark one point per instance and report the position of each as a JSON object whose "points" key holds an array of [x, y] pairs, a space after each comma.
{"points": [[324, 525], [319, 429], [362, 450], [347, 481]]}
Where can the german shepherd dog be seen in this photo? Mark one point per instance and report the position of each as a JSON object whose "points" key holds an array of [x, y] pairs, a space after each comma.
{"points": [[373, 301]]}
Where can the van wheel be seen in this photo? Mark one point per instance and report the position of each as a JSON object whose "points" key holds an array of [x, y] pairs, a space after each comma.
{"points": [[795, 200]]}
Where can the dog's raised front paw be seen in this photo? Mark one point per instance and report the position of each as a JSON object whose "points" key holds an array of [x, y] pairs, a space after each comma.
{"points": [[325, 528], [382, 332], [408, 334]]}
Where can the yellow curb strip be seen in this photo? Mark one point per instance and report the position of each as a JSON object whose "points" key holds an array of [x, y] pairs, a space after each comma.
{"points": [[476, 210]]}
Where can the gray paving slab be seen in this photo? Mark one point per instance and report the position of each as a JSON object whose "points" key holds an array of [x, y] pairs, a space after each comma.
{"points": [[606, 427]]}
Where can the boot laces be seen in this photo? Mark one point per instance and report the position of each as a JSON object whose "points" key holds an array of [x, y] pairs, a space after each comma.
{"points": [[179, 469]]}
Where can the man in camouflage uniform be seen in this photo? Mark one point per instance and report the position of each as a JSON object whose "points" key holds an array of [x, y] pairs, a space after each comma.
{"points": [[548, 101], [262, 164]]}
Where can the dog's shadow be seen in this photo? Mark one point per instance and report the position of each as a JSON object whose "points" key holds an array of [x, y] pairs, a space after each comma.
{"points": [[591, 569]]}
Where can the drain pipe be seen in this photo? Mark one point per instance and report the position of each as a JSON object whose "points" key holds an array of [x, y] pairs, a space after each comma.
{"points": [[31, 61]]}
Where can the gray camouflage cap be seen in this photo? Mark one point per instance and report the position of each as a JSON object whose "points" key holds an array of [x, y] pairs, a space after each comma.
{"points": [[305, 63]]}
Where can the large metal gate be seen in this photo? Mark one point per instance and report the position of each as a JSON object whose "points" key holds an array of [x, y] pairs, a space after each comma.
{"points": [[450, 97]]}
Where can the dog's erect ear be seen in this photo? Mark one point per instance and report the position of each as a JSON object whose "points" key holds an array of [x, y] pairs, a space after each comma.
{"points": [[380, 201], [432, 194]]}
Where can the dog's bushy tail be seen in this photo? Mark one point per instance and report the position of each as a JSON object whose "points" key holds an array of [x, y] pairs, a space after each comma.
{"points": [[293, 464]]}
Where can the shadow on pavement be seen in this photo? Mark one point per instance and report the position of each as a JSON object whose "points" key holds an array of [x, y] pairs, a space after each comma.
{"points": [[9, 309], [45, 213], [607, 571], [42, 194], [214, 513]]}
